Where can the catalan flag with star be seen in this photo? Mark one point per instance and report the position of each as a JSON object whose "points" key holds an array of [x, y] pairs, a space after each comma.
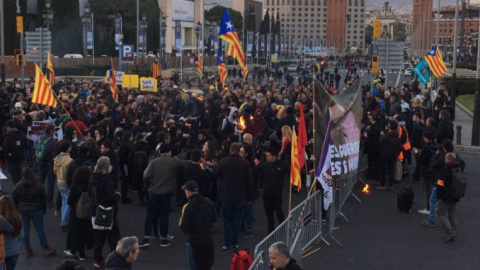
{"points": [[228, 33], [222, 69], [199, 63], [435, 62], [156, 70]]}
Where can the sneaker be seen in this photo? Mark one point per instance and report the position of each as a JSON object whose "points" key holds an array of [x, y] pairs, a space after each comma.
{"points": [[428, 223], [164, 243], [28, 253], [450, 237], [235, 246], [49, 251], [68, 253], [168, 237], [57, 213], [248, 234], [145, 243], [424, 211]]}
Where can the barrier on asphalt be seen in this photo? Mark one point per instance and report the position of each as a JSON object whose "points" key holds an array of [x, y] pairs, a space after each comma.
{"points": [[299, 230]]}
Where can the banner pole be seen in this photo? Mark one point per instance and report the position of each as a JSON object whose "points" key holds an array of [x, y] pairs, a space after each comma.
{"points": [[67, 112], [290, 196]]}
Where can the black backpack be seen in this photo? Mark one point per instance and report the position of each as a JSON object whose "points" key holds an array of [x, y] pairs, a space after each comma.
{"points": [[140, 160], [19, 145], [459, 184], [405, 200]]}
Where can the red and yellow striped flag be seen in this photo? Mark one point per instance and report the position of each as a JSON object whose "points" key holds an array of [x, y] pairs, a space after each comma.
{"points": [[435, 62], [113, 81], [51, 73], [295, 178], [42, 93]]}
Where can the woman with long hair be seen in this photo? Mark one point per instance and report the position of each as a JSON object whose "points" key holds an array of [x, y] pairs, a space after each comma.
{"points": [[80, 232], [102, 191], [12, 240], [30, 198], [286, 141]]}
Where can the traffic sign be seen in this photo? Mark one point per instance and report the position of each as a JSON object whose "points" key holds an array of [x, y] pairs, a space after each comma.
{"points": [[38, 42], [390, 54]]}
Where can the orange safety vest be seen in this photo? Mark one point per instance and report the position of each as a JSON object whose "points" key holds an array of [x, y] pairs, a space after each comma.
{"points": [[406, 146]]}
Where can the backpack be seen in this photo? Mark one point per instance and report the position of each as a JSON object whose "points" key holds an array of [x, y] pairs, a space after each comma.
{"points": [[140, 161], [405, 200], [241, 260], [83, 208], [229, 127], [41, 150], [459, 184]]}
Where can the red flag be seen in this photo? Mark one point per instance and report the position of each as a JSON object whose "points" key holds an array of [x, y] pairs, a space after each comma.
{"points": [[302, 138], [295, 178]]}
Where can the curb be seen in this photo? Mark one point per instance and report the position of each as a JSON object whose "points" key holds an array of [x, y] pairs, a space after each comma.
{"points": [[467, 111], [467, 148]]}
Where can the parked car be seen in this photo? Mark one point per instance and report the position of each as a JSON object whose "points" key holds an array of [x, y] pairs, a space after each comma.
{"points": [[73, 55], [408, 72], [292, 68]]}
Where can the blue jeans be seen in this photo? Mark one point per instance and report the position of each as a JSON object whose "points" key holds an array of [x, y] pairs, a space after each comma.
{"points": [[433, 204], [46, 174], [191, 261], [11, 262], [158, 205], [64, 192], [248, 216], [36, 217], [232, 219]]}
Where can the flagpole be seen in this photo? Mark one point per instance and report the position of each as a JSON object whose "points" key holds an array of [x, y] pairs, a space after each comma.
{"points": [[290, 196]]}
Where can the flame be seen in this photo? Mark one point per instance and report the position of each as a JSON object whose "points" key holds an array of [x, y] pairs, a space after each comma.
{"points": [[365, 189], [242, 123], [251, 117], [201, 165]]}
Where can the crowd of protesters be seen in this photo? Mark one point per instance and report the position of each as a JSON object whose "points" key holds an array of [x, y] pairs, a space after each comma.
{"points": [[233, 143]]}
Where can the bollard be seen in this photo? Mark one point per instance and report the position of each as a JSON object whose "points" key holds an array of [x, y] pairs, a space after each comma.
{"points": [[459, 135]]}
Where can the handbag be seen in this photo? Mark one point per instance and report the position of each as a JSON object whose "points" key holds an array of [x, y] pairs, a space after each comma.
{"points": [[103, 215]]}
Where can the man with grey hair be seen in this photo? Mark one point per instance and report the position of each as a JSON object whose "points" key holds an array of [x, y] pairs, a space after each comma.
{"points": [[124, 254], [279, 257]]}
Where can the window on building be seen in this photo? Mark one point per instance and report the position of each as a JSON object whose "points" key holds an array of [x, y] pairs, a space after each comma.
{"points": [[350, 3], [299, 20], [278, 2], [283, 2], [293, 9], [319, 2], [362, 3], [318, 20], [356, 3], [306, 14], [306, 2]]}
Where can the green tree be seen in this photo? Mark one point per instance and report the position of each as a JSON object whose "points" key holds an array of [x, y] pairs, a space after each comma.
{"points": [[11, 37], [368, 35], [66, 28], [215, 15], [399, 31]]}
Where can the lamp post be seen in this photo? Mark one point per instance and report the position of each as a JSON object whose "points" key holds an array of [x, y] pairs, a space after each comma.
{"points": [[47, 15], [197, 33], [143, 36], [86, 23], [453, 91], [162, 36], [2, 37]]}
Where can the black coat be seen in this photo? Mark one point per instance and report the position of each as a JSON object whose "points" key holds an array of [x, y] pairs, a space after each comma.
{"points": [[373, 141], [116, 262], [273, 175], [444, 184], [235, 179], [80, 231]]}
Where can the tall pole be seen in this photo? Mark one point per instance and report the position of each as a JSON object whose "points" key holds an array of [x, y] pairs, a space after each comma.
{"points": [[41, 46], [84, 28], [429, 25], [138, 31], [453, 91], [476, 109], [203, 37], [2, 36], [93, 41], [23, 60], [438, 24]]}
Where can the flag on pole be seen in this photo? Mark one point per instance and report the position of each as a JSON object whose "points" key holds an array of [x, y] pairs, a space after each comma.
{"points": [[435, 61], [222, 69], [156, 70], [51, 72], [302, 138], [228, 33], [113, 81], [198, 62], [295, 178], [324, 172], [422, 71], [42, 92]]}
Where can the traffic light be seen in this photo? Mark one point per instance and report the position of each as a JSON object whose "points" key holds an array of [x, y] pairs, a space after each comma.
{"points": [[19, 24], [377, 28], [375, 64], [19, 57]]}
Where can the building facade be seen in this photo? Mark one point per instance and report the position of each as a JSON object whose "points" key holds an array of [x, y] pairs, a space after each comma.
{"points": [[422, 27]]}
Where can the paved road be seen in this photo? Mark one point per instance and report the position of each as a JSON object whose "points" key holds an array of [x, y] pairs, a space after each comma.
{"points": [[378, 236]]}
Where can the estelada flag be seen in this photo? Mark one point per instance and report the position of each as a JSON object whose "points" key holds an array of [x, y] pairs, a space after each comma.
{"points": [[156, 70], [302, 138], [435, 62], [228, 33], [42, 92], [295, 178]]}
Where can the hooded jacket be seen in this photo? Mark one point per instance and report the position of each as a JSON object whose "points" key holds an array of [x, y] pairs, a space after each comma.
{"points": [[116, 262], [60, 167], [104, 193], [198, 215], [258, 123]]}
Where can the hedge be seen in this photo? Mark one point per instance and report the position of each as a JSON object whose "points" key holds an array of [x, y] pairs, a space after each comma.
{"points": [[465, 86]]}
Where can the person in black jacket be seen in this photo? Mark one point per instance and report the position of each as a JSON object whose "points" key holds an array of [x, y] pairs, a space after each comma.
{"points": [[124, 254], [14, 146], [447, 200], [279, 257], [198, 216], [107, 150], [391, 147], [372, 147], [235, 180], [138, 160], [424, 156], [445, 127], [274, 173], [102, 192]]}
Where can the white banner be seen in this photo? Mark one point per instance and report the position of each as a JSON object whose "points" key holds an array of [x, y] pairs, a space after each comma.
{"points": [[37, 129], [183, 10]]}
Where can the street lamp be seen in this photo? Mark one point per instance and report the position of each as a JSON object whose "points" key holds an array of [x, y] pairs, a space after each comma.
{"points": [[86, 23], [143, 35], [162, 36], [198, 29], [47, 13]]}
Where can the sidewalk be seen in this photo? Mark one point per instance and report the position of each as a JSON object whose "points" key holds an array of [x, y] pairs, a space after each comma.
{"points": [[465, 120]]}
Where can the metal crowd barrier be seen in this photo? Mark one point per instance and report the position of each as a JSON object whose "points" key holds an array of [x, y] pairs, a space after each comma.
{"points": [[299, 230]]}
